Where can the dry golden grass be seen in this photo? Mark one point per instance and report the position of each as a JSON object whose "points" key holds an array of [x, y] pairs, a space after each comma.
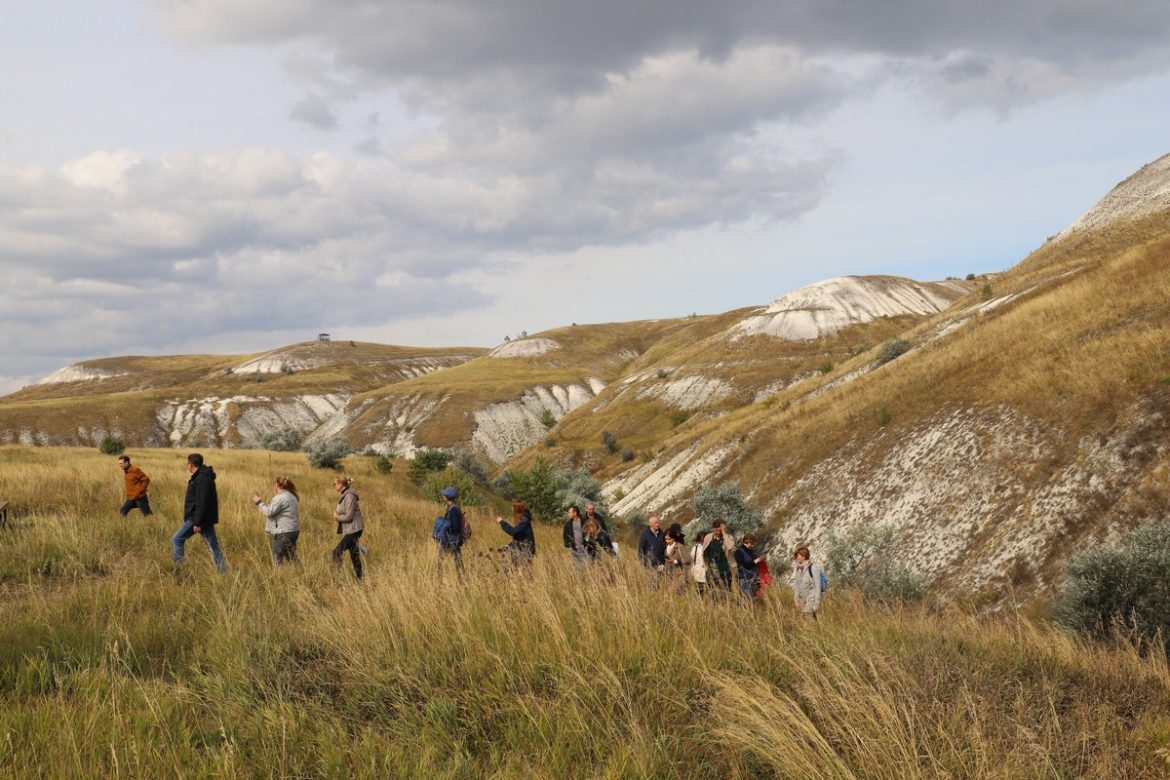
{"points": [[109, 668]]}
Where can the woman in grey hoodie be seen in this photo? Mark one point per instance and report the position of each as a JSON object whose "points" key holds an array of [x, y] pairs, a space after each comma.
{"points": [[806, 583], [283, 521]]}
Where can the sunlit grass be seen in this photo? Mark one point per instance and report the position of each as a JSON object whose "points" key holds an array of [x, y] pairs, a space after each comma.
{"points": [[110, 668]]}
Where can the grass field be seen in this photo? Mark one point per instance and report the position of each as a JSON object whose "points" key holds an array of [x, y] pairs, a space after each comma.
{"points": [[109, 668]]}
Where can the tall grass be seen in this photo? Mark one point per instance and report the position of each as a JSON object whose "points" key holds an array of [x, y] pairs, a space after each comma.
{"points": [[108, 667]]}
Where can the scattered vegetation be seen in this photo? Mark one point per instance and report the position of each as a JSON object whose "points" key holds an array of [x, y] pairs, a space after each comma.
{"points": [[678, 417], [425, 462], [609, 441], [548, 490], [724, 502], [1121, 588], [112, 446], [892, 350], [826, 367], [628, 455], [286, 439], [328, 454], [383, 464], [459, 479], [865, 559], [547, 418]]}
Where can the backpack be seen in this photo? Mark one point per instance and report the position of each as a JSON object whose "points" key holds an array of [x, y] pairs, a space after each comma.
{"points": [[440, 528], [466, 528], [824, 581]]}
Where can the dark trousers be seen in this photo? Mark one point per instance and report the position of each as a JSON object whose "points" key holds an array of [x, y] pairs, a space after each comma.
{"points": [[142, 503], [284, 547], [350, 542]]}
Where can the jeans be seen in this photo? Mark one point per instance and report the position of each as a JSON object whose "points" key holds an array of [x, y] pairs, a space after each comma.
{"points": [[749, 586], [186, 530], [284, 547], [142, 503], [350, 542]]}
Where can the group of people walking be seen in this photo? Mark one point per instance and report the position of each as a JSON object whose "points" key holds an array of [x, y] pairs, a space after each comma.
{"points": [[281, 513], [706, 562]]}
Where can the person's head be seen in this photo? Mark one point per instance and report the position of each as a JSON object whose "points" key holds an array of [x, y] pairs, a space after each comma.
{"points": [[719, 528], [749, 541], [675, 530], [590, 508], [574, 512], [700, 536], [591, 527], [194, 462], [286, 484], [654, 523], [341, 483], [673, 535], [124, 462], [450, 493], [801, 555], [519, 509]]}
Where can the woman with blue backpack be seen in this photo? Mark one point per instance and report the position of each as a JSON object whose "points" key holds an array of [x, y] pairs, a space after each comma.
{"points": [[808, 583]]}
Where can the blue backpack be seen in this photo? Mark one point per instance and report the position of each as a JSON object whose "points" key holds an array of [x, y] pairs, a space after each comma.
{"points": [[824, 581], [439, 531]]}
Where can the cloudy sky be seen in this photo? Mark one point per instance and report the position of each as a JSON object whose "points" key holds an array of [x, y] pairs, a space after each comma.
{"points": [[228, 176]]}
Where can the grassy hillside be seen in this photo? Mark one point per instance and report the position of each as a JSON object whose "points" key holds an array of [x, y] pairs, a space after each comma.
{"points": [[109, 668], [127, 403]]}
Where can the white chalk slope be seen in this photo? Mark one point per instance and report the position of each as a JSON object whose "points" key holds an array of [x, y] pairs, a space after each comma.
{"points": [[1145, 193], [820, 309]]}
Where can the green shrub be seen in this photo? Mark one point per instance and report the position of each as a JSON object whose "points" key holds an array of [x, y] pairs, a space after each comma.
{"points": [[470, 465], [985, 292], [425, 462], [112, 446], [550, 442], [548, 490], [619, 494], [628, 455], [547, 418], [437, 480], [892, 349], [1123, 587], [610, 441], [384, 464], [970, 277], [286, 439], [328, 454], [865, 559], [679, 417], [826, 367], [724, 502], [537, 486]]}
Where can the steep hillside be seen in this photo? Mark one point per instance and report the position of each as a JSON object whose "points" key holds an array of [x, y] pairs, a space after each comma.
{"points": [[212, 400], [1027, 420]]}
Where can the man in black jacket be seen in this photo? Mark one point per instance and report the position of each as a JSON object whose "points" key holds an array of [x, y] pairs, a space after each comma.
{"points": [[200, 513], [652, 545], [591, 513]]}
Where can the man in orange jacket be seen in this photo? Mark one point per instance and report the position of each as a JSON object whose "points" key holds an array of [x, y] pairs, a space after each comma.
{"points": [[136, 484]]}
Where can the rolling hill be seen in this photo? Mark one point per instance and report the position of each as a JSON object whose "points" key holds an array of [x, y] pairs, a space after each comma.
{"points": [[996, 423]]}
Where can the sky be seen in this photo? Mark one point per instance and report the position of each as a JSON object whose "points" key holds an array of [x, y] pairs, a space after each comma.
{"points": [[222, 176]]}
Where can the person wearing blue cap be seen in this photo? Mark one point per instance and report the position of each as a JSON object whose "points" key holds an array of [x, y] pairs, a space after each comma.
{"points": [[451, 540]]}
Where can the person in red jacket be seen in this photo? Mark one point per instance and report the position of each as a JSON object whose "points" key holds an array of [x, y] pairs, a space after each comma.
{"points": [[136, 484]]}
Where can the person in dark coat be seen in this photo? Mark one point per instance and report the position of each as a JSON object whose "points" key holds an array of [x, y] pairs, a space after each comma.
{"points": [[452, 542], [523, 544], [591, 513], [715, 555], [200, 513], [573, 535], [652, 545], [747, 567], [597, 541]]}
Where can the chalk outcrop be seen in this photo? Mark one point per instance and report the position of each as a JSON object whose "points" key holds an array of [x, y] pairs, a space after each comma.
{"points": [[825, 307]]}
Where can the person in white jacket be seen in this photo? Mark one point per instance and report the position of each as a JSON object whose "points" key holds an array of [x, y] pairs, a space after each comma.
{"points": [[806, 583], [283, 520]]}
